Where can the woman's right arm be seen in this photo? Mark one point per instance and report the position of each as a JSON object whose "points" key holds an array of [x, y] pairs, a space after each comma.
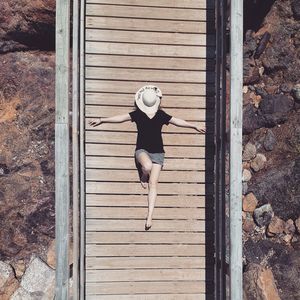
{"points": [[115, 119]]}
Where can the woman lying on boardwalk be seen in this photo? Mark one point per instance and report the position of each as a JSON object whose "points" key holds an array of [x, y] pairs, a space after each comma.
{"points": [[149, 151]]}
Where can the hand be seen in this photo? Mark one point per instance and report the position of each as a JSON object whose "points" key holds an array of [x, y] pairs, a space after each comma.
{"points": [[95, 123], [200, 129]]}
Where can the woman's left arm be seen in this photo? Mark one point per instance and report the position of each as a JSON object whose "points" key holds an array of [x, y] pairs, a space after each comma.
{"points": [[183, 123]]}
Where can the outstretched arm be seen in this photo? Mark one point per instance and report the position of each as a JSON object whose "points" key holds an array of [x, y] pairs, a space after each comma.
{"points": [[115, 119], [183, 123]]}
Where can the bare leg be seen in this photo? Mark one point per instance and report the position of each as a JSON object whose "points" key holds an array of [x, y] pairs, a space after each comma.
{"points": [[153, 180], [146, 163]]}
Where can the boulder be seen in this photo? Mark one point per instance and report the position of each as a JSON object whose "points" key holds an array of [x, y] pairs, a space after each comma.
{"points": [[297, 223], [249, 152], [296, 9], [38, 282], [249, 202], [296, 92], [246, 175], [8, 281], [259, 284], [258, 162], [276, 226], [263, 215], [289, 227], [269, 140], [273, 109], [280, 187], [27, 25]]}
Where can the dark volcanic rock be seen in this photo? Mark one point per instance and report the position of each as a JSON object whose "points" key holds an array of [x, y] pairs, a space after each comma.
{"points": [[286, 271], [274, 109], [269, 140], [296, 9], [280, 187], [27, 153], [27, 24]]}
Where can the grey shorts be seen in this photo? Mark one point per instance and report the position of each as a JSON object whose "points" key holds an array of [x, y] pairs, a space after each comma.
{"points": [[156, 158]]}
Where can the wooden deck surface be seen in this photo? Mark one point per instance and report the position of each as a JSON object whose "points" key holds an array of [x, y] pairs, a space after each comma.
{"points": [[130, 43]]}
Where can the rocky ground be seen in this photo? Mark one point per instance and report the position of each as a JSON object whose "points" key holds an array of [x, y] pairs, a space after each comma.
{"points": [[271, 155], [27, 115], [271, 201]]}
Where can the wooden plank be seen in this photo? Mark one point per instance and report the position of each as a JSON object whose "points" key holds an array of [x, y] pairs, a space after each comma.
{"points": [[128, 151], [129, 164], [140, 201], [93, 187], [143, 275], [202, 4], [159, 38], [167, 101], [145, 250], [125, 61], [193, 114], [139, 225], [149, 75], [130, 138], [159, 13], [141, 213], [102, 288], [149, 50], [149, 238], [147, 24], [112, 175], [184, 89], [150, 297]]}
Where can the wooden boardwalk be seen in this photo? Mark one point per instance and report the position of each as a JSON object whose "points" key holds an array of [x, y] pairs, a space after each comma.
{"points": [[130, 43]]}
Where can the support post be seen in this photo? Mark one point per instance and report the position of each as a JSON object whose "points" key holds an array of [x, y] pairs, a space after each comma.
{"points": [[236, 100], [62, 180], [75, 150]]}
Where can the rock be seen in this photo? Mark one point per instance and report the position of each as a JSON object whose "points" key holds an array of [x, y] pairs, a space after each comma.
{"points": [[263, 215], [8, 282], [276, 226], [51, 260], [258, 162], [251, 119], [249, 202], [280, 187], [38, 281], [297, 223], [259, 284], [20, 268], [296, 9], [249, 152], [269, 140], [287, 238], [28, 25], [246, 175], [244, 188], [289, 227], [248, 225], [273, 109], [296, 92], [286, 270]]}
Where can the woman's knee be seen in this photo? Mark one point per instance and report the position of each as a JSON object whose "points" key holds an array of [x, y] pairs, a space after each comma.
{"points": [[153, 183], [147, 166]]}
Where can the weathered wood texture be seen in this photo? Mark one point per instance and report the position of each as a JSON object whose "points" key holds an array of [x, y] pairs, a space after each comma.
{"points": [[129, 44]]}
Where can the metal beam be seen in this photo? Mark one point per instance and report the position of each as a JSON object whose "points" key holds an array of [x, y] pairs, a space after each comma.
{"points": [[62, 180], [236, 100]]}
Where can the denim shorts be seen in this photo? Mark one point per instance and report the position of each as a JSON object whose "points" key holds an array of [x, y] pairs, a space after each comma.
{"points": [[156, 158]]}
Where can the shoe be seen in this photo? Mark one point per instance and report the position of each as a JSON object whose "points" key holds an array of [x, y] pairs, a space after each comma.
{"points": [[147, 227]]}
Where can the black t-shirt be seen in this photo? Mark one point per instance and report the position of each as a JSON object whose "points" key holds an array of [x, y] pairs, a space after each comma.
{"points": [[149, 130]]}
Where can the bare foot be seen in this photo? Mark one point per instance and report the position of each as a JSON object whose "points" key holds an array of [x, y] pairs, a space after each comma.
{"points": [[144, 180]]}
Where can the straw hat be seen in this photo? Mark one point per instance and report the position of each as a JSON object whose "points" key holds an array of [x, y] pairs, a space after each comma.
{"points": [[148, 98]]}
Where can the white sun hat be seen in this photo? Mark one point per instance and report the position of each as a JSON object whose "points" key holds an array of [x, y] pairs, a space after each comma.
{"points": [[147, 98]]}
